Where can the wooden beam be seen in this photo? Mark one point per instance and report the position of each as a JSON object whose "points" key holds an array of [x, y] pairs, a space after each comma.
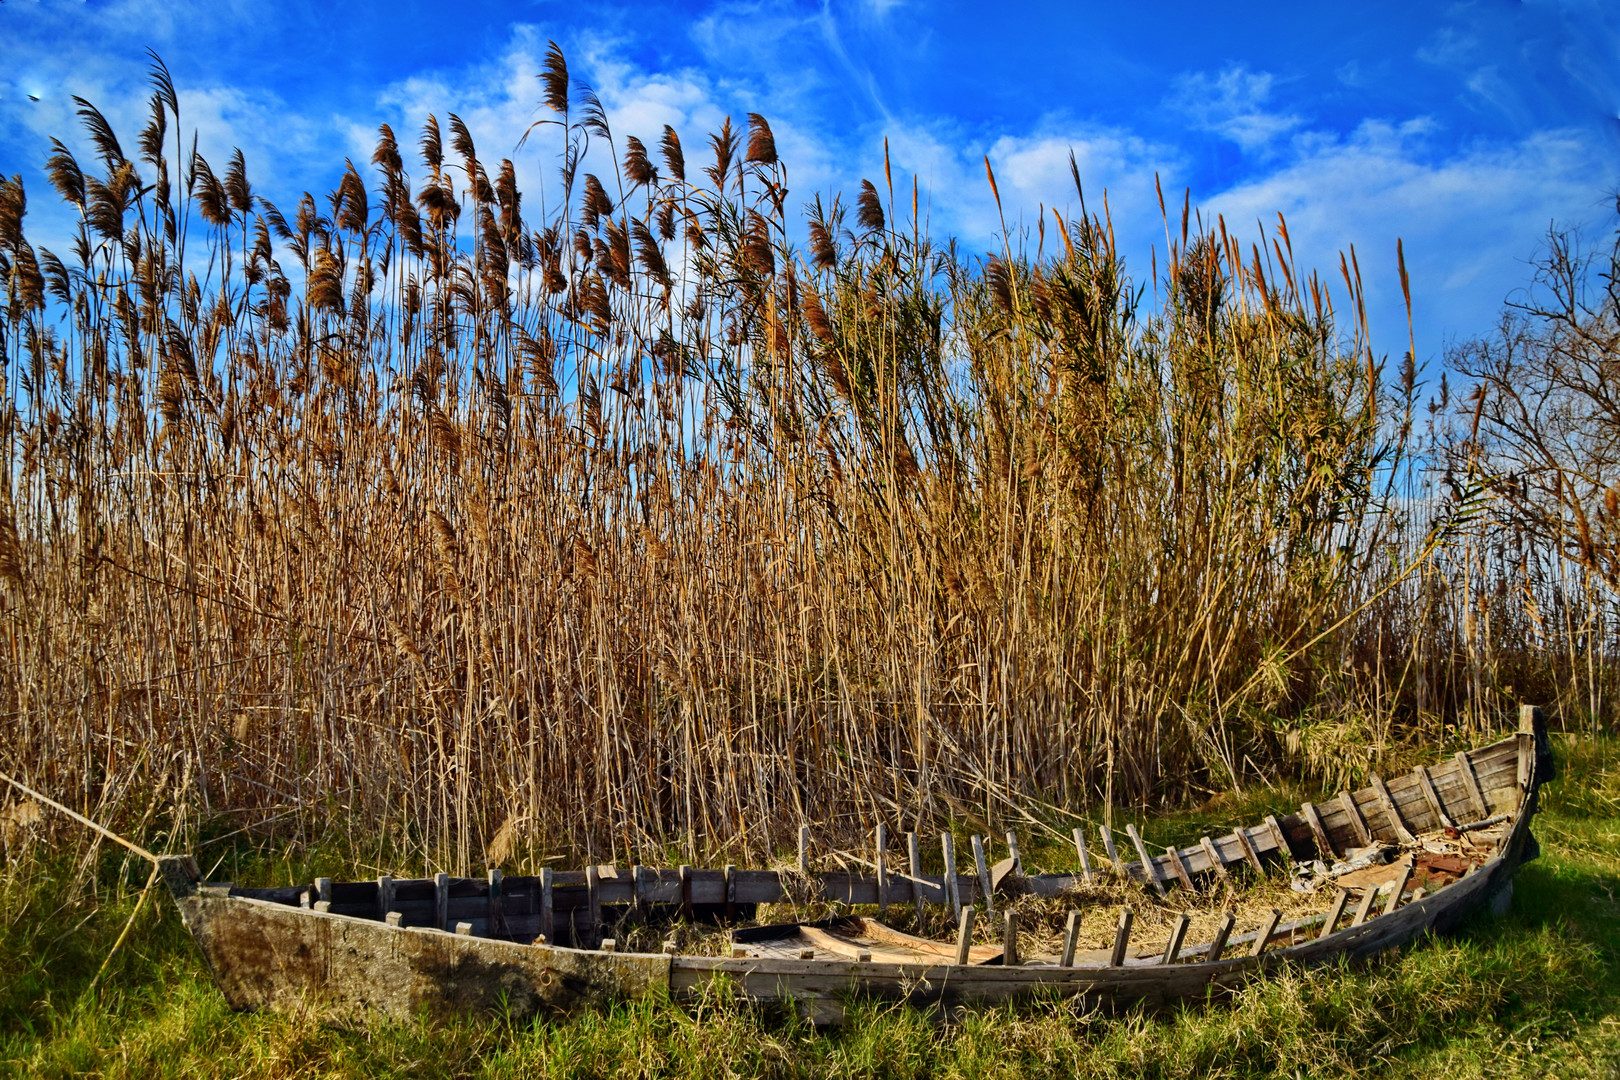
{"points": [[731, 893], [1222, 932], [1012, 852], [804, 849], [883, 869], [964, 935], [1149, 868], [1324, 843], [1180, 868], [1392, 813], [494, 902], [441, 901], [1122, 937], [914, 856], [548, 907], [1432, 796], [1267, 928], [1071, 937], [1251, 855], [985, 888], [1330, 922], [1357, 822], [1217, 859], [1470, 779], [1009, 940], [1400, 887], [1364, 908], [593, 903], [953, 887], [1172, 948], [1085, 856], [1113, 855], [1278, 837], [385, 895]]}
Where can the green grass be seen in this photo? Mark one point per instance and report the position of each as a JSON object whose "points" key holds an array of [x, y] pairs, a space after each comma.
{"points": [[1532, 994]]}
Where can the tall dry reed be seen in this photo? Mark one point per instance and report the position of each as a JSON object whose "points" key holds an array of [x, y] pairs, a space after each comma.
{"points": [[638, 525]]}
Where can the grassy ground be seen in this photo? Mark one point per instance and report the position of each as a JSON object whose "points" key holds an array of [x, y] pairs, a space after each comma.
{"points": [[1536, 993]]}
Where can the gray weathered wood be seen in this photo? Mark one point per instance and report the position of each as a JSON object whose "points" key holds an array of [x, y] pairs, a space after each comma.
{"points": [[1432, 796], [1085, 856], [1122, 937], [1330, 922], [1012, 853], [804, 849], [1180, 867], [1217, 860], [1470, 779], [1267, 928], [882, 844], [986, 890], [1113, 854], [593, 900], [1324, 843], [1217, 945], [1071, 938], [1363, 909], [1397, 889], [441, 900], [953, 885], [1357, 821], [385, 895], [494, 901], [1392, 813], [914, 858], [1249, 854], [548, 906], [1172, 948], [1009, 939], [1149, 868], [964, 935]]}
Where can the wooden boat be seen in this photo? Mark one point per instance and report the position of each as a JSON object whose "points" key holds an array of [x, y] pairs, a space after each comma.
{"points": [[531, 944]]}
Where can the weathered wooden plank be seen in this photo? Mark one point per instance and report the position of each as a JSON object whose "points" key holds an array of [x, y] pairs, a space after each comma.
{"points": [[1085, 857], [1398, 888], [1113, 854], [1392, 813], [985, 888], [881, 845], [1432, 795], [1149, 868], [1465, 771], [1249, 854], [441, 900], [964, 936], [1363, 909], [1217, 860], [1330, 922], [953, 885], [548, 916], [385, 895], [494, 901], [1357, 821], [593, 893], [1012, 852], [1180, 867], [1278, 837], [1122, 937], [1263, 937], [1172, 948], [1217, 945], [1071, 937], [1324, 843], [914, 858], [1009, 939], [804, 849]]}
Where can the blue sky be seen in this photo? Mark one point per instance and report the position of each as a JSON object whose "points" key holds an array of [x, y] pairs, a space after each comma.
{"points": [[1463, 129]]}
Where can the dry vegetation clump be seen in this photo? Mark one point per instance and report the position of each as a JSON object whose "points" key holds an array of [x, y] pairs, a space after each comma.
{"points": [[636, 524]]}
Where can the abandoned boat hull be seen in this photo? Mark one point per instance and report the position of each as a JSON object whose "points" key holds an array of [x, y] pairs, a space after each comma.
{"points": [[267, 951]]}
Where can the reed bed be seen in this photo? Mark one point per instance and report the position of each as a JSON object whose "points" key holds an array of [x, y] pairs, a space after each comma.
{"points": [[644, 513]]}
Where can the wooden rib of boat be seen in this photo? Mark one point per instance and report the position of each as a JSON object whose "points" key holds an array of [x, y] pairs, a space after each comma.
{"points": [[530, 944]]}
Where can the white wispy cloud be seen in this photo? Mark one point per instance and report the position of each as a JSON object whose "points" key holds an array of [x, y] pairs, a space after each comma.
{"points": [[1232, 104]]}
